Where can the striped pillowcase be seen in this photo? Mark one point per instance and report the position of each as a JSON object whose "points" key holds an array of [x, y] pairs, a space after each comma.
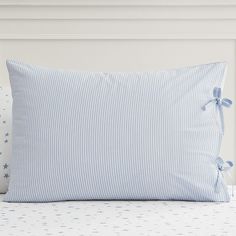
{"points": [[96, 135]]}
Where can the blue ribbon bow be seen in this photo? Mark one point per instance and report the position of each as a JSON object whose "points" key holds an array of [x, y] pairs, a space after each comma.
{"points": [[220, 103], [222, 166]]}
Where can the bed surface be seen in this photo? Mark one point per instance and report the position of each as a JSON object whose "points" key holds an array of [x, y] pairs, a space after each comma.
{"points": [[118, 218]]}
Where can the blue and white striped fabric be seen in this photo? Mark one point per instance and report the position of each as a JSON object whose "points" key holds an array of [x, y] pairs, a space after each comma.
{"points": [[95, 135]]}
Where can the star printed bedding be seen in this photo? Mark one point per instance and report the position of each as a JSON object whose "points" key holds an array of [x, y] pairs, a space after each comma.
{"points": [[5, 136], [126, 218]]}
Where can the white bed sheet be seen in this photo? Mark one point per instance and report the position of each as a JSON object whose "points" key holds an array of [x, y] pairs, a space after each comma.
{"points": [[118, 218]]}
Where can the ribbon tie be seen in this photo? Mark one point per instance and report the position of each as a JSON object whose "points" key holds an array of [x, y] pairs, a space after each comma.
{"points": [[222, 166], [220, 103]]}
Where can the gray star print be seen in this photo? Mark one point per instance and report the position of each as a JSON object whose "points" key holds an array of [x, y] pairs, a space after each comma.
{"points": [[5, 166], [6, 176]]}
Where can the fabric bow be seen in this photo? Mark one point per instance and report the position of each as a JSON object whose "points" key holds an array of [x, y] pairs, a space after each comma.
{"points": [[222, 166], [220, 103]]}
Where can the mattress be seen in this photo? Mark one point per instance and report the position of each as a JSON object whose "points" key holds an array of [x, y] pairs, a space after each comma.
{"points": [[82, 218]]}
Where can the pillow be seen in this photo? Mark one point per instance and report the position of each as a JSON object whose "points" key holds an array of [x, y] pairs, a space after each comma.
{"points": [[96, 135], [5, 136]]}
